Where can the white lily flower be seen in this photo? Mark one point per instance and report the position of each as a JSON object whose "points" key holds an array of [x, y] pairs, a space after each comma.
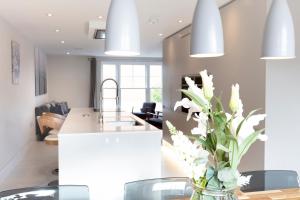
{"points": [[181, 142], [193, 87], [248, 126], [208, 85], [227, 174], [184, 146], [202, 154], [243, 180], [235, 123], [228, 116], [263, 138], [235, 103], [193, 154], [202, 119], [186, 103], [196, 90]]}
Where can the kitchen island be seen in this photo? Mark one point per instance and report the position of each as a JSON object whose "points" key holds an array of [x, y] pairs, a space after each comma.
{"points": [[104, 156]]}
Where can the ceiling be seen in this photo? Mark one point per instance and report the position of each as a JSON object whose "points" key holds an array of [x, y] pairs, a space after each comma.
{"points": [[71, 17]]}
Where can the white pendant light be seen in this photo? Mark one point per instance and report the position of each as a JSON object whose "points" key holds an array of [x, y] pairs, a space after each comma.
{"points": [[279, 35], [122, 29], [207, 30]]}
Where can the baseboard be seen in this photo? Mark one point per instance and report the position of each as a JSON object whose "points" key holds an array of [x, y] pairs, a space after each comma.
{"points": [[13, 162]]}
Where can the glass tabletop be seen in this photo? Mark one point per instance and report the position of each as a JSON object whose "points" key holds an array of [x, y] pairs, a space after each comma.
{"points": [[159, 189], [47, 193]]}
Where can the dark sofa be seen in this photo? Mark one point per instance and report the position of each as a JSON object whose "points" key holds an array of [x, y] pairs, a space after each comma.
{"points": [[149, 115], [147, 110], [60, 108], [156, 120]]}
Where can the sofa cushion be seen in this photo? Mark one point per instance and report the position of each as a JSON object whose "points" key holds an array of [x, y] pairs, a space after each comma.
{"points": [[65, 107], [41, 109]]}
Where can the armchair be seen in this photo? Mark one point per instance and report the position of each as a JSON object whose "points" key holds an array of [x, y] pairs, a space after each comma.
{"points": [[146, 111]]}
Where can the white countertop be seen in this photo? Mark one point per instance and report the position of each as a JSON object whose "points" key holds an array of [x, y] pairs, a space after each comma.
{"points": [[85, 120]]}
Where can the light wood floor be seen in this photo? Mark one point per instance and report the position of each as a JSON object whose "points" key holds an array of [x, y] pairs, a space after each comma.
{"points": [[34, 169]]}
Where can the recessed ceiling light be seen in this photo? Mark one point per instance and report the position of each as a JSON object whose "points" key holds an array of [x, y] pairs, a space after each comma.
{"points": [[180, 21], [153, 20], [57, 30], [49, 15], [68, 53], [160, 34], [100, 17], [62, 42]]}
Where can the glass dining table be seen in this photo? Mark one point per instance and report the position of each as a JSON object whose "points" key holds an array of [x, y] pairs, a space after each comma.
{"points": [[182, 189], [158, 191], [47, 193]]}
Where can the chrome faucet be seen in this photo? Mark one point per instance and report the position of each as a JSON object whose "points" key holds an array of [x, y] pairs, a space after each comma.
{"points": [[101, 98]]}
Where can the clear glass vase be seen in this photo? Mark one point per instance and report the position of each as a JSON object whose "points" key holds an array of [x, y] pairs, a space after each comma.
{"points": [[214, 195]]}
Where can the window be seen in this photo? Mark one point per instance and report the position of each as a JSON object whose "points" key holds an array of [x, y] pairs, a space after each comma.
{"points": [[156, 85], [133, 76], [133, 86], [109, 88], [138, 83]]}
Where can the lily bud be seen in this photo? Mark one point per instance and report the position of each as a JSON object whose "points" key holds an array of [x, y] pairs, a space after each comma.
{"points": [[235, 103], [208, 85]]}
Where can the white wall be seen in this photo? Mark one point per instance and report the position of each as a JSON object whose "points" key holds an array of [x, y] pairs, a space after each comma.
{"points": [[17, 102], [69, 80], [283, 107], [243, 23]]}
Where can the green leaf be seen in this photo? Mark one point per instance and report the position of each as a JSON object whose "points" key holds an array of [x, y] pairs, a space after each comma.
{"points": [[222, 148], [219, 105], [221, 165], [229, 136], [196, 195], [211, 139], [241, 124], [206, 145], [233, 154], [220, 121], [203, 183], [195, 99], [214, 184], [244, 147], [192, 137], [210, 172]]}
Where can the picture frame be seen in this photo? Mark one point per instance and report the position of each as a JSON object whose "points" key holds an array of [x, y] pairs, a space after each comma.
{"points": [[16, 62]]}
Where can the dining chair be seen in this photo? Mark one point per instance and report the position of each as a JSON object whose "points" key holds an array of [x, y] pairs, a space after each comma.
{"points": [[271, 180], [158, 189], [49, 121], [47, 193]]}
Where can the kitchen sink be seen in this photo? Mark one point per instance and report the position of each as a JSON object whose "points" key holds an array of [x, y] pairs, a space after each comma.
{"points": [[123, 123]]}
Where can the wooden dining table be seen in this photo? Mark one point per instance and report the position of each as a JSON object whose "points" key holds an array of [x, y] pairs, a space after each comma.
{"points": [[285, 194]]}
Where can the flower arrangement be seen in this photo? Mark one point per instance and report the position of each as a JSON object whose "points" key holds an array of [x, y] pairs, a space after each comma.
{"points": [[216, 146]]}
